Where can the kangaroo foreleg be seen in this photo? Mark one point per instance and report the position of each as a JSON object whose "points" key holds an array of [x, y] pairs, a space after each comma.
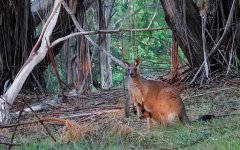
{"points": [[138, 109], [149, 123]]}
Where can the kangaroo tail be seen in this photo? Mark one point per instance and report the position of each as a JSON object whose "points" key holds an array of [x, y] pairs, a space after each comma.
{"points": [[206, 118], [184, 118]]}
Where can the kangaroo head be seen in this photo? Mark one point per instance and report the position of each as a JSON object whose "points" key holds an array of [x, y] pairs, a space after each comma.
{"points": [[133, 69]]}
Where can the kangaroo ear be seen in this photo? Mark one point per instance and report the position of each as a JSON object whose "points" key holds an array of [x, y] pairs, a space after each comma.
{"points": [[137, 61], [126, 63]]}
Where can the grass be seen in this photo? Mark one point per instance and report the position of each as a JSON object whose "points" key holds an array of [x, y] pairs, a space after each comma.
{"points": [[220, 134], [120, 134]]}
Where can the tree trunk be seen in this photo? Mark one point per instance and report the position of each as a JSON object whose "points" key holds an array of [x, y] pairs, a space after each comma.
{"points": [[104, 41], [41, 8], [37, 54], [207, 34], [16, 38], [183, 19], [68, 57], [65, 28], [17, 33]]}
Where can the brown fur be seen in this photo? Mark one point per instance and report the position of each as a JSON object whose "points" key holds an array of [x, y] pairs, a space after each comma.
{"points": [[160, 100]]}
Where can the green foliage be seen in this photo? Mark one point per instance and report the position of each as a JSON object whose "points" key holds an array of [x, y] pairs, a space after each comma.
{"points": [[152, 46], [51, 78]]}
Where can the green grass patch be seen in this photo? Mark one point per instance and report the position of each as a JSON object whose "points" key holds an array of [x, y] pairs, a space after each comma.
{"points": [[116, 133], [221, 134]]}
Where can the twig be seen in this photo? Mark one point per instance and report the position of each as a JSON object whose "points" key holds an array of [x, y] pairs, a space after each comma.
{"points": [[54, 66], [38, 84], [41, 120], [35, 114], [88, 37], [89, 113], [37, 45], [228, 23], [10, 144], [15, 129], [155, 14], [34, 58], [21, 123], [219, 90], [219, 41], [125, 17], [54, 43], [231, 53], [204, 21], [151, 21]]}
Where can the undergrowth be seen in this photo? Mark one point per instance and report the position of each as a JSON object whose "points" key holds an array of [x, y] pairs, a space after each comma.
{"points": [[220, 133]]}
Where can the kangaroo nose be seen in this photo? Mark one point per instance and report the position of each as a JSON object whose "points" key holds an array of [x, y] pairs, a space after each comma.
{"points": [[131, 74]]}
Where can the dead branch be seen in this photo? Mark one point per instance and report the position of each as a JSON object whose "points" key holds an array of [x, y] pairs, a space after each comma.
{"points": [[38, 84], [15, 129], [231, 54], [35, 114], [40, 8], [60, 119], [125, 17], [226, 28], [80, 114], [45, 27], [88, 37], [21, 123], [37, 54], [43, 106], [54, 43], [206, 65], [54, 65], [216, 91], [9, 144], [47, 119]]}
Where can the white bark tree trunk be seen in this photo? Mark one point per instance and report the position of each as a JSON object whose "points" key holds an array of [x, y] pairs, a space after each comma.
{"points": [[35, 57], [105, 61]]}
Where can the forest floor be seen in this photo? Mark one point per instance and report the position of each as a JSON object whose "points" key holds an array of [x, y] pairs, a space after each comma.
{"points": [[97, 121]]}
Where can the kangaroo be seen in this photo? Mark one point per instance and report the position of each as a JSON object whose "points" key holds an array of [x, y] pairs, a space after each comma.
{"points": [[155, 100]]}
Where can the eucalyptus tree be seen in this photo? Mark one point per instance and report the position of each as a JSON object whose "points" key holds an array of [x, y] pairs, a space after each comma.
{"points": [[208, 33]]}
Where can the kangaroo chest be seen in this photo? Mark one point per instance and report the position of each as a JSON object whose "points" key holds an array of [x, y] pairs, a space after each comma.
{"points": [[135, 92]]}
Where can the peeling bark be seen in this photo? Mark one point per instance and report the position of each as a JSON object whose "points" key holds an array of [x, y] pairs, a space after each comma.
{"points": [[35, 57], [183, 19], [104, 41]]}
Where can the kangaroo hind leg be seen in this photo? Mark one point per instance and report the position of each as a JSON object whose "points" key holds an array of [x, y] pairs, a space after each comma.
{"points": [[184, 118]]}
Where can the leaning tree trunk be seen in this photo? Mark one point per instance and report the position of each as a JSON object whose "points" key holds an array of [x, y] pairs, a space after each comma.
{"points": [[65, 24], [17, 36], [37, 54]]}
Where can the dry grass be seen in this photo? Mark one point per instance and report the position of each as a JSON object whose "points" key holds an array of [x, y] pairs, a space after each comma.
{"points": [[114, 131]]}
